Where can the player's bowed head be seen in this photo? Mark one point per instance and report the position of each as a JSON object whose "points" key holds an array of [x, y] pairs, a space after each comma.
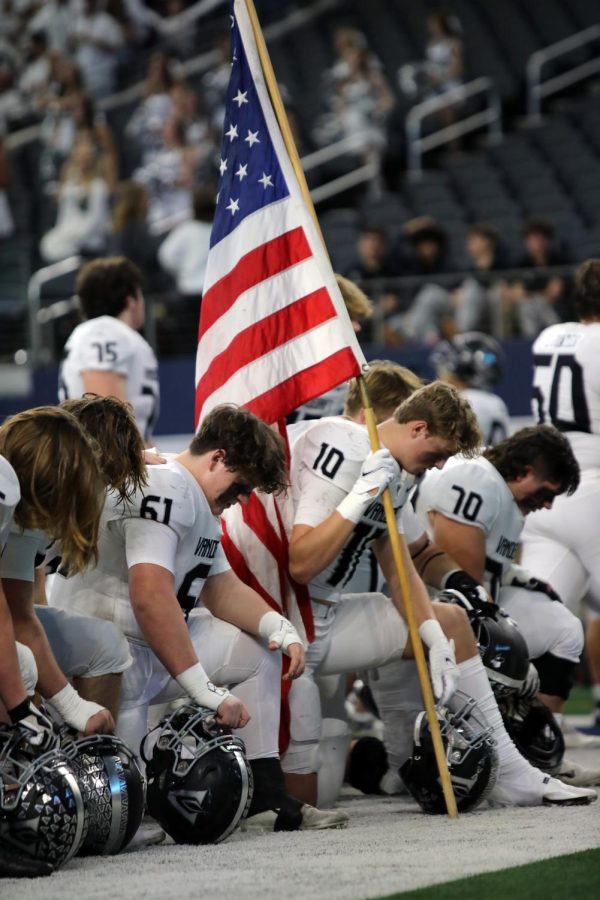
{"points": [[111, 424], [61, 481]]}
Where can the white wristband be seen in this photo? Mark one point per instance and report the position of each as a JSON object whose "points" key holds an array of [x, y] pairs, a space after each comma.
{"points": [[196, 684], [74, 709], [431, 632], [353, 506], [275, 627]]}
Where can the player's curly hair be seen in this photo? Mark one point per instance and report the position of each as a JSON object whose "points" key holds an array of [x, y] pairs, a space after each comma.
{"points": [[587, 289], [103, 286], [388, 383], [111, 423], [541, 447], [250, 446], [62, 486], [447, 414]]}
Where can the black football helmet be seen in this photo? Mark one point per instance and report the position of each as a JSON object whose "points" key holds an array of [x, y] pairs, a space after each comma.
{"points": [[470, 755], [535, 732], [474, 358], [502, 647], [113, 790], [41, 808], [199, 781]]}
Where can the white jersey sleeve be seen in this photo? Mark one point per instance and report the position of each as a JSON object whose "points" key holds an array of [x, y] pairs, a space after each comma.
{"points": [[10, 494], [474, 493], [460, 491], [326, 462], [22, 553], [106, 344], [566, 386]]}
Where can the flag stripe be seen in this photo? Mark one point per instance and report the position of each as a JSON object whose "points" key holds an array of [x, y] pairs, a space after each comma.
{"points": [[280, 367], [255, 304], [278, 218], [238, 564], [256, 266], [266, 336], [255, 513], [310, 383]]}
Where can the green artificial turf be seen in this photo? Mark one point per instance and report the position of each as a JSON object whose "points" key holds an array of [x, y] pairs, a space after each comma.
{"points": [[572, 877]]}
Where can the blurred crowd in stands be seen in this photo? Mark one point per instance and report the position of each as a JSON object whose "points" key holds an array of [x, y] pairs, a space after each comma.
{"points": [[146, 188]]}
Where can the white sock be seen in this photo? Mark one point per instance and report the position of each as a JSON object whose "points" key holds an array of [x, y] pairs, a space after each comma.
{"points": [[559, 719], [474, 682], [596, 693]]}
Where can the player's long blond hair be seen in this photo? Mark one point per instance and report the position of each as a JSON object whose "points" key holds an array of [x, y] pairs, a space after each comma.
{"points": [[111, 423], [62, 486]]}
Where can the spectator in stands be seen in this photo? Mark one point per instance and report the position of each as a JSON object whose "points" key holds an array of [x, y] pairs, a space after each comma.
{"points": [[373, 259], [484, 249], [130, 235], [426, 250], [183, 255], [199, 133], [359, 99], [169, 175], [156, 108], [96, 39], [215, 81], [530, 304], [35, 74], [83, 210], [443, 66], [184, 252], [53, 18], [540, 249], [177, 39]]}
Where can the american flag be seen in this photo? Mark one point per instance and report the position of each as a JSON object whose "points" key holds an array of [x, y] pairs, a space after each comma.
{"points": [[274, 331]]}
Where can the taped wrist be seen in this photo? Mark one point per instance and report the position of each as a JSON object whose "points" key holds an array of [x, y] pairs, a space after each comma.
{"points": [[196, 684], [431, 633], [74, 709], [275, 627], [353, 506]]}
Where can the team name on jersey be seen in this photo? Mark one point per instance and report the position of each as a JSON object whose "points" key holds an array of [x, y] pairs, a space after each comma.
{"points": [[507, 548], [206, 547]]}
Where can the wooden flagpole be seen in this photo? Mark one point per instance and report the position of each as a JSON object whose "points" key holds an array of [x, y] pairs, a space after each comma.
{"points": [[390, 517]]}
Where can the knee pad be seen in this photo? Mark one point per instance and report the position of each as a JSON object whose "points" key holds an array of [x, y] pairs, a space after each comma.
{"points": [[367, 764], [333, 749], [556, 675], [28, 667], [302, 754]]}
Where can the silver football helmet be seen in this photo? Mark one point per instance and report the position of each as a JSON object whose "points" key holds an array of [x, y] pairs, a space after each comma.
{"points": [[41, 808]]}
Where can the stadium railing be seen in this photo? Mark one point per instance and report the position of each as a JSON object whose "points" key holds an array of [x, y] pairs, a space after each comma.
{"points": [[491, 115], [537, 89]]}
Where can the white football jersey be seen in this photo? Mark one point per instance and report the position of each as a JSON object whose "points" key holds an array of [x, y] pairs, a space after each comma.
{"points": [[10, 494], [168, 524], [106, 344], [492, 414], [566, 386], [24, 551], [472, 492], [326, 462]]}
